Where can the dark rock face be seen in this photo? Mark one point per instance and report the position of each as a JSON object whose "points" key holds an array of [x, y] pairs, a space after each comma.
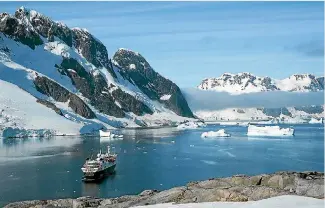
{"points": [[240, 111], [48, 28], [79, 107], [92, 49], [51, 89], [311, 109], [60, 94], [103, 100], [92, 87], [79, 76], [276, 112], [130, 104], [235, 189], [138, 71], [14, 28], [321, 82], [50, 105], [267, 82]]}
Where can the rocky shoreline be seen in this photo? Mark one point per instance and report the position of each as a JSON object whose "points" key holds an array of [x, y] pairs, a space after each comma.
{"points": [[235, 188]]}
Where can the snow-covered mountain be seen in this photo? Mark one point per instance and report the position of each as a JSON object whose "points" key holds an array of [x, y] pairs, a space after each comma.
{"points": [[67, 71], [248, 83]]}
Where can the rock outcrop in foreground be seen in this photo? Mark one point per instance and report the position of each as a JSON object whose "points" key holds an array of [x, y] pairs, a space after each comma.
{"points": [[235, 188]]}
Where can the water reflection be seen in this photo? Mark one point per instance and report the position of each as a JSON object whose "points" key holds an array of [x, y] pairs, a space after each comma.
{"points": [[95, 189], [16, 149]]}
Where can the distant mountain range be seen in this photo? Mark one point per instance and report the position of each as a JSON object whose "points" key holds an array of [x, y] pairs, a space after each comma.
{"points": [[241, 83], [248, 83]]}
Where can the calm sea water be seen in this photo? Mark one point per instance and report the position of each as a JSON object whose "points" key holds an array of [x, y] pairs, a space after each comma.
{"points": [[155, 159]]}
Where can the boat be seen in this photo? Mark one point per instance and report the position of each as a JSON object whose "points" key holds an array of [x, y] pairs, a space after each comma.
{"points": [[99, 168]]}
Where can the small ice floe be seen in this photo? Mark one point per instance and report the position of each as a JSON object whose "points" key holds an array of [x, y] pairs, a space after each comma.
{"points": [[219, 133], [315, 121], [191, 145], [191, 125], [269, 131], [173, 141]]}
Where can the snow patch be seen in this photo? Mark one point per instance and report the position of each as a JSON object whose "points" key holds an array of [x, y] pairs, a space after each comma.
{"points": [[165, 97], [132, 66], [287, 201]]}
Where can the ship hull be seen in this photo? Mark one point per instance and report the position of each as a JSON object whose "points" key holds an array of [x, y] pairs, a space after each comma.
{"points": [[98, 175]]}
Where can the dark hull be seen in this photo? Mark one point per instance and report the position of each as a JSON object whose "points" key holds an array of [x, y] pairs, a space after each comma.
{"points": [[99, 175]]}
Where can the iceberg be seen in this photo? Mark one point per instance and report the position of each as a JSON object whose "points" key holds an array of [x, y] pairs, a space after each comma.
{"points": [[104, 133], [316, 121], [219, 133], [269, 131], [107, 135]]}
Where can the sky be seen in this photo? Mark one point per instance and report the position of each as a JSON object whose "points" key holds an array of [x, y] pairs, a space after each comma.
{"points": [[189, 41]]}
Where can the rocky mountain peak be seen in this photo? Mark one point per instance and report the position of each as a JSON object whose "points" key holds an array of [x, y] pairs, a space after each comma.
{"points": [[137, 70], [130, 60], [301, 76]]}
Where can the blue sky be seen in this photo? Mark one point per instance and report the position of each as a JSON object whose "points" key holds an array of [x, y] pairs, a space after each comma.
{"points": [[189, 41]]}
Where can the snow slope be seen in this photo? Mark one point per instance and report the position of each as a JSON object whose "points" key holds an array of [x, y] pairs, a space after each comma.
{"points": [[17, 110], [285, 201]]}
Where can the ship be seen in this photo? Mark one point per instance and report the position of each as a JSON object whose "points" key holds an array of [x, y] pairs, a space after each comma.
{"points": [[95, 170]]}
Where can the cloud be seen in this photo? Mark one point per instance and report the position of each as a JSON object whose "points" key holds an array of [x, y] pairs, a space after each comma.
{"points": [[312, 48], [212, 100]]}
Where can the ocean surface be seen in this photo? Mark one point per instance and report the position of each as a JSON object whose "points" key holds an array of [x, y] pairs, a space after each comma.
{"points": [[47, 168]]}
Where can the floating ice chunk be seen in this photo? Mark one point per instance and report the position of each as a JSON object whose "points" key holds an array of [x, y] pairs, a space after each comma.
{"points": [[269, 131], [219, 133]]}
